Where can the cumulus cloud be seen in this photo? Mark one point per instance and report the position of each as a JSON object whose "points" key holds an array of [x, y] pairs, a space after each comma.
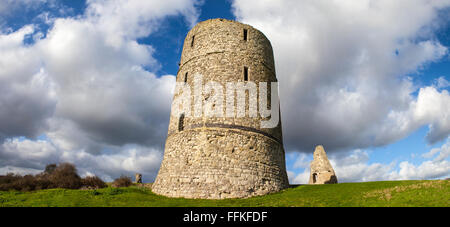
{"points": [[84, 88], [430, 108], [27, 98], [107, 93], [121, 18], [441, 82], [343, 69], [354, 166], [8, 7], [440, 153], [28, 156]]}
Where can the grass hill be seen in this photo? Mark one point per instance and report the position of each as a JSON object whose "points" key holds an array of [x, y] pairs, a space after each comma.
{"points": [[383, 193]]}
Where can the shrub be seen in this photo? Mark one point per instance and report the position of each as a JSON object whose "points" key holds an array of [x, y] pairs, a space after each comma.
{"points": [[9, 178], [42, 183], [17, 182], [93, 182], [23, 183], [62, 176], [50, 168], [65, 176], [122, 181]]}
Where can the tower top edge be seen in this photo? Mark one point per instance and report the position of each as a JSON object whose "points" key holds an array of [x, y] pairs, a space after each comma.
{"points": [[216, 21]]}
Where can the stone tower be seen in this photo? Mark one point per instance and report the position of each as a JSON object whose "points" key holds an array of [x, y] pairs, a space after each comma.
{"points": [[223, 157], [321, 170]]}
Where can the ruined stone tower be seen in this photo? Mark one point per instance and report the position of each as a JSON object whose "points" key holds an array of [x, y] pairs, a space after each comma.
{"points": [[321, 170], [223, 157]]}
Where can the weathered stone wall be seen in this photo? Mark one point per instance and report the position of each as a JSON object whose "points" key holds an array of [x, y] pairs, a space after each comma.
{"points": [[321, 170], [223, 157], [220, 163]]}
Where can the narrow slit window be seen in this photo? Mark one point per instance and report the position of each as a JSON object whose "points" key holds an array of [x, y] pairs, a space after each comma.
{"points": [[245, 73], [185, 77], [192, 41], [245, 34], [181, 123]]}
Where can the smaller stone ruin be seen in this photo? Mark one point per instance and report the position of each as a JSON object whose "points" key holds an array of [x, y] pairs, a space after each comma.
{"points": [[138, 178], [321, 170]]}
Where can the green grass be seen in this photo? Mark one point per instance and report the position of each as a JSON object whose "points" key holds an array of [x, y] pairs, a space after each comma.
{"points": [[383, 193]]}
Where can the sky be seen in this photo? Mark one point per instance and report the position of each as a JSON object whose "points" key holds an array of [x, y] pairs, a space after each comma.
{"points": [[91, 83]]}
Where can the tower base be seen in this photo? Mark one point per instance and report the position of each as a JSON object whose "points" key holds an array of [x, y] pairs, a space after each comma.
{"points": [[219, 163]]}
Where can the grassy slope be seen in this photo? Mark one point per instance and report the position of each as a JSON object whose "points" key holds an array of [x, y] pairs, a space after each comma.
{"points": [[386, 193]]}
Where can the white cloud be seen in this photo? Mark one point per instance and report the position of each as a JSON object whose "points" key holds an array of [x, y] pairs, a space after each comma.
{"points": [[302, 178], [430, 108], [27, 97], [443, 152], [84, 86], [125, 18], [342, 69], [302, 161], [433, 108], [441, 82], [426, 170], [8, 7], [27, 153], [106, 92], [16, 170], [33, 156]]}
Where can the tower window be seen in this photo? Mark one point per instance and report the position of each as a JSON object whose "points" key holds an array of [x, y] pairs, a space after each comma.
{"points": [[245, 73], [245, 34], [181, 123], [185, 77], [192, 42]]}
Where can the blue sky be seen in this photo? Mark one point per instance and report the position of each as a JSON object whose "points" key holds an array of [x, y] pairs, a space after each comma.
{"points": [[174, 30], [170, 34], [372, 135]]}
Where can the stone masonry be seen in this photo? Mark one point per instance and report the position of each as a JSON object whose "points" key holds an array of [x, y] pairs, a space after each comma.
{"points": [[321, 170], [138, 178], [223, 157]]}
